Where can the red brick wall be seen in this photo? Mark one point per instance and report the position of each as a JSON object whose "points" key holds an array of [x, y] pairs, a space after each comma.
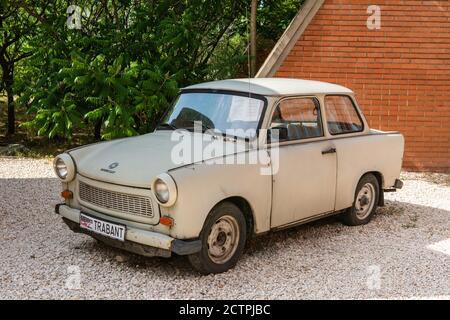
{"points": [[400, 73]]}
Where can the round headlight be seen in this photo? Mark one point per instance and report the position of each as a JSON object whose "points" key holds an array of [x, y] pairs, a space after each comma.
{"points": [[161, 191], [64, 167], [60, 168], [165, 190]]}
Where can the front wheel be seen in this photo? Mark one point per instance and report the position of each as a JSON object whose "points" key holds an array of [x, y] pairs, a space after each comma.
{"points": [[223, 239], [365, 202]]}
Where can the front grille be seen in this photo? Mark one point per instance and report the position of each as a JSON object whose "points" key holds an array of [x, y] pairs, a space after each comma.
{"points": [[116, 201]]}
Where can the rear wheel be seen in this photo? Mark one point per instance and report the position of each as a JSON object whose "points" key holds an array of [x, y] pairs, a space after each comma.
{"points": [[365, 202], [223, 238]]}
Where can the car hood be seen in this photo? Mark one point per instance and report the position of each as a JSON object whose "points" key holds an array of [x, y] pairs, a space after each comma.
{"points": [[138, 160]]}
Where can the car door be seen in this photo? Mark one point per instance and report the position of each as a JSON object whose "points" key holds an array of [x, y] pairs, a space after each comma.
{"points": [[346, 126], [304, 164]]}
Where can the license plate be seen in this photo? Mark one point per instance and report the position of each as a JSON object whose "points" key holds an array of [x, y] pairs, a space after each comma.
{"points": [[108, 229]]}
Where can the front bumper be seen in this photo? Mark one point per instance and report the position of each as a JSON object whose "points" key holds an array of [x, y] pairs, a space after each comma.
{"points": [[139, 241]]}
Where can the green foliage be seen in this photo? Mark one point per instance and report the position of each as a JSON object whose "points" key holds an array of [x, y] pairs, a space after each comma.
{"points": [[125, 97], [121, 70], [275, 15]]}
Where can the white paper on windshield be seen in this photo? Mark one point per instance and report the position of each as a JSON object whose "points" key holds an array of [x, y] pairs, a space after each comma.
{"points": [[244, 109]]}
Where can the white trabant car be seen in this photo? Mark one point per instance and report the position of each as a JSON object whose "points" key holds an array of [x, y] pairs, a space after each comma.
{"points": [[284, 152]]}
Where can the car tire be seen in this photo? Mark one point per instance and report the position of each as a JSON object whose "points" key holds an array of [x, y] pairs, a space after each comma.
{"points": [[223, 240], [365, 202]]}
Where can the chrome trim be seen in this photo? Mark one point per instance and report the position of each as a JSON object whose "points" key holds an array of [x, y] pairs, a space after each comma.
{"points": [[131, 212], [116, 201]]}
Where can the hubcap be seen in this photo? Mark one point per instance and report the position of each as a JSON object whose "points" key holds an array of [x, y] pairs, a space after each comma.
{"points": [[365, 200], [223, 239]]}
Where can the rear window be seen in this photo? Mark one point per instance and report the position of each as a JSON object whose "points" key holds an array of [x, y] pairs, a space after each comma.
{"points": [[342, 116]]}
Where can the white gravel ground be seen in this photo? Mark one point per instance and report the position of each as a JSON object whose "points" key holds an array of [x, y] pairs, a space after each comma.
{"points": [[403, 253]]}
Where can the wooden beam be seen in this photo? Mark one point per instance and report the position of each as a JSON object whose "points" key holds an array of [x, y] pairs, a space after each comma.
{"points": [[289, 38]]}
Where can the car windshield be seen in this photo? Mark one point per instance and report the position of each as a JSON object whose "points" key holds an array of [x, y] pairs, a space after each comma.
{"points": [[225, 113]]}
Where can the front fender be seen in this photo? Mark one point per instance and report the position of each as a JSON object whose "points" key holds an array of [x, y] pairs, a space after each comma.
{"points": [[203, 185]]}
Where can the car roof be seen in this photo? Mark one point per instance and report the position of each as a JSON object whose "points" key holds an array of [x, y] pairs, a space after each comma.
{"points": [[273, 86]]}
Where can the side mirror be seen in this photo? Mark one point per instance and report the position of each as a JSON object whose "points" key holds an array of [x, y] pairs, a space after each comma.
{"points": [[277, 134]]}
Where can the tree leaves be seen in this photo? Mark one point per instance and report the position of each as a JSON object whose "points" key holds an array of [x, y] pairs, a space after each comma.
{"points": [[124, 67]]}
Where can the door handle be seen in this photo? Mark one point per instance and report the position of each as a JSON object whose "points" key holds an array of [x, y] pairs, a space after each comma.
{"points": [[331, 150]]}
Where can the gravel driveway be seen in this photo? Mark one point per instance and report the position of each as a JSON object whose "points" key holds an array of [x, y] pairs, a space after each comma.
{"points": [[403, 253]]}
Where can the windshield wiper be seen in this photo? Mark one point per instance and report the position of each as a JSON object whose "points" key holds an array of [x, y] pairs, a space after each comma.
{"points": [[234, 137], [204, 126], [164, 126]]}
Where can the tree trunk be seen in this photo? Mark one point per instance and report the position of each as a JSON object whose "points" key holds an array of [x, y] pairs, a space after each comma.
{"points": [[11, 114], [98, 130], [8, 81], [253, 38]]}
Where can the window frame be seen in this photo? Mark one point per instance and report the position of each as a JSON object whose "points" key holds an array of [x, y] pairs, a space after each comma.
{"points": [[354, 107], [317, 103]]}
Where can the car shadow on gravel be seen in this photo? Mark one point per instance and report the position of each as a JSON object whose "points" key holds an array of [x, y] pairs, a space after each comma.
{"points": [[172, 266], [277, 238], [406, 217], [177, 265], [33, 210], [396, 216]]}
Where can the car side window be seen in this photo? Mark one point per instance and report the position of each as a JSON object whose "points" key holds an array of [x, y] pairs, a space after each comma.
{"points": [[342, 116], [300, 116]]}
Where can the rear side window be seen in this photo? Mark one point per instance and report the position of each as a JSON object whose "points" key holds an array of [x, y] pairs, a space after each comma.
{"points": [[342, 116]]}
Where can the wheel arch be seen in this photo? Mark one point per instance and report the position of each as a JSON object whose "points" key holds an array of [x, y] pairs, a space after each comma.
{"points": [[246, 209], [379, 176]]}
